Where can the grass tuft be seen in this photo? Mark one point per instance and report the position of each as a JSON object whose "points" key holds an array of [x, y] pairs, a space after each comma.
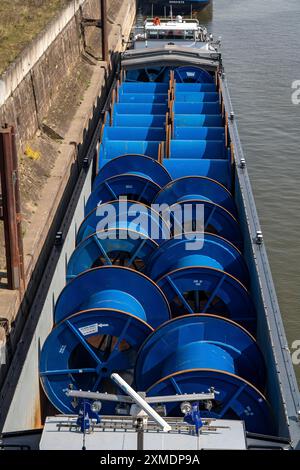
{"points": [[20, 22]]}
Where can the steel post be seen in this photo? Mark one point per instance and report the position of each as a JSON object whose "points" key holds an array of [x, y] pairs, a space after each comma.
{"points": [[18, 211], [11, 208], [104, 31]]}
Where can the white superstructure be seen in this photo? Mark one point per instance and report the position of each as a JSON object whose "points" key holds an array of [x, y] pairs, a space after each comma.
{"points": [[181, 32]]}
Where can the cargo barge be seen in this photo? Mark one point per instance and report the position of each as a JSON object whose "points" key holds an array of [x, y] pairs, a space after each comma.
{"points": [[168, 290]]}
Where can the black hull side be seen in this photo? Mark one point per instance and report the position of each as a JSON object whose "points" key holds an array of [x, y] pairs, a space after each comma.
{"points": [[179, 7]]}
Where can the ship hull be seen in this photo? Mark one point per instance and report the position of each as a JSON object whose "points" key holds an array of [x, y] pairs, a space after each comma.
{"points": [[179, 7]]}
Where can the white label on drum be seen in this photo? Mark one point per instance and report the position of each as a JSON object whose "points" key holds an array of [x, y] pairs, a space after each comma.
{"points": [[89, 329]]}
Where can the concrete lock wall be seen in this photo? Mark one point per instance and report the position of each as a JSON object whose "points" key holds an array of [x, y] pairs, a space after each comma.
{"points": [[28, 86]]}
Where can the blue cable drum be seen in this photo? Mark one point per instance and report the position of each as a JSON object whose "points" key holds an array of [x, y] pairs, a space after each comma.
{"points": [[190, 74], [196, 215], [198, 248], [135, 187], [114, 288], [205, 289], [102, 317], [195, 87], [196, 97], [196, 187], [141, 165], [202, 149], [143, 87], [125, 247], [82, 351], [219, 170], [192, 354], [143, 98], [238, 351], [124, 215]]}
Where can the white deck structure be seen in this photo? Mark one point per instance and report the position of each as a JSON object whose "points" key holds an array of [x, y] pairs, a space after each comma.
{"points": [[180, 32], [61, 433]]}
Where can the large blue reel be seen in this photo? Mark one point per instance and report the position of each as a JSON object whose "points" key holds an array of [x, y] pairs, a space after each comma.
{"points": [[123, 247], [133, 186], [83, 351], [123, 215], [113, 287], [192, 354], [199, 341], [140, 165], [204, 289], [191, 188], [240, 399], [201, 249], [202, 215], [103, 316]]}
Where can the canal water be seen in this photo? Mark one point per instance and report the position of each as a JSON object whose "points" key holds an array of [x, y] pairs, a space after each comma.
{"points": [[261, 53]]}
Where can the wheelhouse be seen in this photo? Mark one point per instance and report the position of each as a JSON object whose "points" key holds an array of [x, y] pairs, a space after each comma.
{"points": [[159, 31]]}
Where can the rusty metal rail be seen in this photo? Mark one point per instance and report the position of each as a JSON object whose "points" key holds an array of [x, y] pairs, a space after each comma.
{"points": [[10, 212], [98, 23], [104, 30]]}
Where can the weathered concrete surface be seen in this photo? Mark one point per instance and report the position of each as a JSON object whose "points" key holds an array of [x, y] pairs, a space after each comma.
{"points": [[18, 70], [42, 212], [30, 84]]}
